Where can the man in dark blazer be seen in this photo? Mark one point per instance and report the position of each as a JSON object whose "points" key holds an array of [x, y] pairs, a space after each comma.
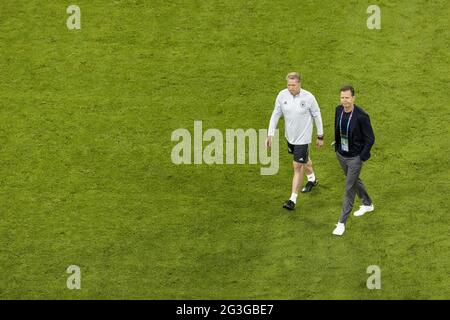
{"points": [[353, 140]]}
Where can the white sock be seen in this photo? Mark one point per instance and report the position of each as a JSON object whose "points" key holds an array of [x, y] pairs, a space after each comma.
{"points": [[311, 177], [293, 198]]}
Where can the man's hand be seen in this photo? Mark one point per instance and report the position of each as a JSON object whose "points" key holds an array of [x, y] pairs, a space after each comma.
{"points": [[269, 141], [319, 143]]}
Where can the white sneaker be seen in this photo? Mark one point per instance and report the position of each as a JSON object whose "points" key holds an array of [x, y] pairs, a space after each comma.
{"points": [[363, 209], [340, 228]]}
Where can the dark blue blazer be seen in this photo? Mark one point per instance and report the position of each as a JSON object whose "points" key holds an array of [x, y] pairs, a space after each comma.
{"points": [[361, 136]]}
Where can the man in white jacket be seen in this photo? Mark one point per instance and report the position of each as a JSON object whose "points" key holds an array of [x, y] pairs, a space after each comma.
{"points": [[298, 107]]}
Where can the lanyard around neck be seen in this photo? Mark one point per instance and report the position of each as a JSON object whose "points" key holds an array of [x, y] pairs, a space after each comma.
{"points": [[348, 123]]}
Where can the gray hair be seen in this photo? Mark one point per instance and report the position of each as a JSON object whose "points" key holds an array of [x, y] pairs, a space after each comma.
{"points": [[293, 75]]}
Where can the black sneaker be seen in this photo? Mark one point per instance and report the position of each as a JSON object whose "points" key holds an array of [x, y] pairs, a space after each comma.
{"points": [[290, 205], [308, 187]]}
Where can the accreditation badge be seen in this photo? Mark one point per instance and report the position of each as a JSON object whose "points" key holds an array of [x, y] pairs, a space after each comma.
{"points": [[344, 143]]}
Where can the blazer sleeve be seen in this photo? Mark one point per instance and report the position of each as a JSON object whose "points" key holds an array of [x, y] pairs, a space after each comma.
{"points": [[337, 138], [367, 135]]}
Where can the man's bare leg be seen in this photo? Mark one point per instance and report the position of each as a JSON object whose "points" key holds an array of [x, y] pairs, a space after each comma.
{"points": [[308, 167], [309, 171], [297, 180]]}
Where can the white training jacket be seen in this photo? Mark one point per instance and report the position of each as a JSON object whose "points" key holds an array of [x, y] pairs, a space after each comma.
{"points": [[298, 112]]}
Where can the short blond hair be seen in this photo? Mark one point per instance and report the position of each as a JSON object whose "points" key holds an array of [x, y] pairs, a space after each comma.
{"points": [[293, 75]]}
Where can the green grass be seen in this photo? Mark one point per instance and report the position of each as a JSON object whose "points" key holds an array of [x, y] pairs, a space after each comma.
{"points": [[86, 176]]}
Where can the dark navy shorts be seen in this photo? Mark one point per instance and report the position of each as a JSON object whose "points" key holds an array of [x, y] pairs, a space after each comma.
{"points": [[300, 152]]}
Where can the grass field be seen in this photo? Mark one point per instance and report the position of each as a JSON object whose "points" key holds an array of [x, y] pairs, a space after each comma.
{"points": [[86, 176]]}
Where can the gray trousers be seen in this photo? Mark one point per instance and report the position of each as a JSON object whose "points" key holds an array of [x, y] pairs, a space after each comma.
{"points": [[353, 185]]}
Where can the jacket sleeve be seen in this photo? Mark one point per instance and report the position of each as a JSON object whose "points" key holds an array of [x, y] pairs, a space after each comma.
{"points": [[337, 137], [276, 115], [315, 113], [368, 137]]}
